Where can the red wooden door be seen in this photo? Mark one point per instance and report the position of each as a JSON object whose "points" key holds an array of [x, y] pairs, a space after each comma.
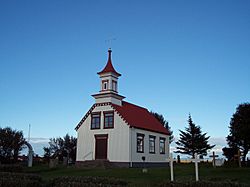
{"points": [[101, 146]]}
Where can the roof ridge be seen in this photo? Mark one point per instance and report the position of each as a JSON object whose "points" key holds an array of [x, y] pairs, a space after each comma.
{"points": [[135, 105]]}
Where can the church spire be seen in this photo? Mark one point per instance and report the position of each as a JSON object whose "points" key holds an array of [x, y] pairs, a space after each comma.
{"points": [[109, 84], [109, 66]]}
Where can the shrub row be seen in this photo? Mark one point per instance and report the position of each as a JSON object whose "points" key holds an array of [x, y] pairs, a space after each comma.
{"points": [[30, 180], [10, 168], [203, 184], [87, 181], [20, 180]]}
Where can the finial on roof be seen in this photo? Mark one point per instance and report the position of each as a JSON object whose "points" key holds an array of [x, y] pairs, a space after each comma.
{"points": [[109, 58]]}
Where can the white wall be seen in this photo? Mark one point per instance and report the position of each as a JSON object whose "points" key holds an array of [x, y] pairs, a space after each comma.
{"points": [[118, 138], [109, 99], [156, 157]]}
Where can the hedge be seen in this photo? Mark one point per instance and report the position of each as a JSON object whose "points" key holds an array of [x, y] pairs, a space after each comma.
{"points": [[11, 168], [203, 184], [8, 179], [87, 181]]}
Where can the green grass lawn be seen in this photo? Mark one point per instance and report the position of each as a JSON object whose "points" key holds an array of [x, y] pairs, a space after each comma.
{"points": [[183, 173]]}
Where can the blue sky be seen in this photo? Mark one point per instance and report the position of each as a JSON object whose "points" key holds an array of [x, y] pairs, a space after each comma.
{"points": [[175, 57]]}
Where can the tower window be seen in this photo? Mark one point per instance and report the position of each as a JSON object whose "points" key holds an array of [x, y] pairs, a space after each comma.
{"points": [[114, 85], [95, 120], [105, 85]]}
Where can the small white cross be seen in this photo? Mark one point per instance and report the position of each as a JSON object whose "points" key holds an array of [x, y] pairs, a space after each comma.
{"points": [[171, 161], [196, 160]]}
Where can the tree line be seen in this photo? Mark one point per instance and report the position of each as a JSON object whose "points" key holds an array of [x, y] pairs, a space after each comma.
{"points": [[12, 142], [61, 148]]}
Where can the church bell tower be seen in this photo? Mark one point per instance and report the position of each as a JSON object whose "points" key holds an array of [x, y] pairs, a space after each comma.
{"points": [[109, 84]]}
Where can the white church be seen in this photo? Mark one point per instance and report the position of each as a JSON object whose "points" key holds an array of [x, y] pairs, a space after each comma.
{"points": [[120, 132]]}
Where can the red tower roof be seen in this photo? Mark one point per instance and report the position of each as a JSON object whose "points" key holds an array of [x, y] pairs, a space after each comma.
{"points": [[109, 67]]}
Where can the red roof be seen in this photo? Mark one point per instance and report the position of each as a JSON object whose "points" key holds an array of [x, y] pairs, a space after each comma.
{"points": [[139, 117], [109, 67]]}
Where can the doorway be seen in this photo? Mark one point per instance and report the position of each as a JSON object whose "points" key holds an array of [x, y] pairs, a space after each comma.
{"points": [[101, 146]]}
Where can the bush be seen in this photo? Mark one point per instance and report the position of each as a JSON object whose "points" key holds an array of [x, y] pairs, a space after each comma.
{"points": [[11, 168], [87, 182], [202, 184], [19, 180], [231, 164]]}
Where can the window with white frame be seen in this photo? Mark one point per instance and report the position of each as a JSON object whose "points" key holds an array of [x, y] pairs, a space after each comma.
{"points": [[162, 145], [114, 85], [140, 143], [105, 85], [151, 144]]}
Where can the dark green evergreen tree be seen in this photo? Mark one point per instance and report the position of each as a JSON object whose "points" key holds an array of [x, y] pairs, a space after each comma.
{"points": [[165, 124], [239, 136], [229, 153], [193, 140]]}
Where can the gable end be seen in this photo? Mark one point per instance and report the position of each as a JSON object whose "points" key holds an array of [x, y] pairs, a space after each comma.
{"points": [[92, 108], [89, 112], [85, 117]]}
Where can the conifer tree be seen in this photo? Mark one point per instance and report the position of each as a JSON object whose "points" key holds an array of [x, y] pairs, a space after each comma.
{"points": [[193, 140]]}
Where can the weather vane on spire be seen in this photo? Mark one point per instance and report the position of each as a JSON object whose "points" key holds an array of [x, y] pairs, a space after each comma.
{"points": [[109, 41]]}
